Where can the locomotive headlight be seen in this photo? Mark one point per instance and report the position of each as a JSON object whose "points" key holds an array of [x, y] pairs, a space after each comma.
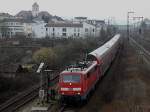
{"points": [[76, 89], [64, 89]]}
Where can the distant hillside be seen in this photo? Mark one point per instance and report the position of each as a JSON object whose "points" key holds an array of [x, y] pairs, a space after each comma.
{"points": [[43, 15], [25, 14], [5, 14]]}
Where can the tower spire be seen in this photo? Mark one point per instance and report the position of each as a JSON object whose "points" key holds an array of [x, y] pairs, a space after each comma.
{"points": [[35, 9]]}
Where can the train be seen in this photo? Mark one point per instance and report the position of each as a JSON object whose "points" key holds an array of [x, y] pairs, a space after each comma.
{"points": [[78, 80]]}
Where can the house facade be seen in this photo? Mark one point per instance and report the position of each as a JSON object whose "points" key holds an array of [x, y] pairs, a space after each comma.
{"points": [[89, 30], [99, 25], [38, 28], [64, 30], [12, 27], [5, 16]]}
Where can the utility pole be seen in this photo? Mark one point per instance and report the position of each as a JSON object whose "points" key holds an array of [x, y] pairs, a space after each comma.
{"points": [[41, 91], [128, 23], [140, 17], [48, 77]]}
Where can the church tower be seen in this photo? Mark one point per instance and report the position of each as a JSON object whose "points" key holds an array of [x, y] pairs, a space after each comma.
{"points": [[35, 9]]}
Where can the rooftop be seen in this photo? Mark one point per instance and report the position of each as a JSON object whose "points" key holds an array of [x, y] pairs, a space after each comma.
{"points": [[64, 25], [80, 17], [18, 20], [5, 14]]}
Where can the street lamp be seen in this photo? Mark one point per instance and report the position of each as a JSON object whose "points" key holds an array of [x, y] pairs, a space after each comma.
{"points": [[128, 17]]}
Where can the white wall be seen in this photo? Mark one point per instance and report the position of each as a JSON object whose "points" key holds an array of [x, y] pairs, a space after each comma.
{"points": [[70, 32], [27, 28], [88, 30], [12, 28], [38, 29]]}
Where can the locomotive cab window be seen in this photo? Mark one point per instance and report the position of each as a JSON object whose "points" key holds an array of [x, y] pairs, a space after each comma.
{"points": [[71, 78]]}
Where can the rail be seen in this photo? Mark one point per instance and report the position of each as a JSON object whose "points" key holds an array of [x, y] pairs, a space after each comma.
{"points": [[66, 108], [142, 50], [23, 98], [10, 105]]}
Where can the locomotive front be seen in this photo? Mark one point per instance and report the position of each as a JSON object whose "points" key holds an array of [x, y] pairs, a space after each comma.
{"points": [[70, 85]]}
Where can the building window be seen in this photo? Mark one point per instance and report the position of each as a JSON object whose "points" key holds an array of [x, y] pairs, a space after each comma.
{"points": [[53, 29], [64, 34], [93, 30], [86, 29], [78, 34], [74, 29], [46, 29], [64, 29], [74, 34], [78, 29]]}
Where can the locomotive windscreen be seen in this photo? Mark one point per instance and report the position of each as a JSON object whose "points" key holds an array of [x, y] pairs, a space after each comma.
{"points": [[71, 78]]}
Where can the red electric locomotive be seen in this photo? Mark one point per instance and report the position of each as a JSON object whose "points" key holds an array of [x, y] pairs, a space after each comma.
{"points": [[78, 80]]}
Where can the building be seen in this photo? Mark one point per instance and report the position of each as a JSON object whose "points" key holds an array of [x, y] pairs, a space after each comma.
{"points": [[80, 19], [35, 9], [13, 27], [89, 30], [38, 28], [28, 27], [99, 25], [64, 30], [70, 29], [91, 27], [5, 16]]}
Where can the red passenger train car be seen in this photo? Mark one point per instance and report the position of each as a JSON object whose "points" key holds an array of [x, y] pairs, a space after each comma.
{"points": [[77, 81]]}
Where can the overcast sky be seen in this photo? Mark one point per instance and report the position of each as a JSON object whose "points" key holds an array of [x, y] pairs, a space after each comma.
{"points": [[97, 9]]}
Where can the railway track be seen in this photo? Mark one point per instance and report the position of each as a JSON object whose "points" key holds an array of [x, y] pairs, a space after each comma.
{"points": [[23, 98], [66, 108], [19, 100], [143, 53]]}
